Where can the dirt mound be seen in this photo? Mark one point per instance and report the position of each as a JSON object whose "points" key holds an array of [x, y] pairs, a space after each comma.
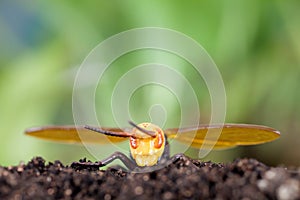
{"points": [[184, 179]]}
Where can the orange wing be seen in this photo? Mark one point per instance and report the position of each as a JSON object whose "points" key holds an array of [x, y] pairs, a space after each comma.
{"points": [[231, 135], [76, 134]]}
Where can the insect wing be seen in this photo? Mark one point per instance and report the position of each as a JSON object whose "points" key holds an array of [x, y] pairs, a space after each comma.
{"points": [[76, 134], [227, 135]]}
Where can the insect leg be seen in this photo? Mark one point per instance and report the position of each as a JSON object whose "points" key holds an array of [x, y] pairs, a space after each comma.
{"points": [[84, 164], [118, 155], [186, 160], [176, 157]]}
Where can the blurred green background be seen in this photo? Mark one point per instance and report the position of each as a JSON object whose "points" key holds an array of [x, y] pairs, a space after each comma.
{"points": [[255, 44]]}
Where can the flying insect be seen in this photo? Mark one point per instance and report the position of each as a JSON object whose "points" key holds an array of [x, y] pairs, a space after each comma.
{"points": [[149, 146]]}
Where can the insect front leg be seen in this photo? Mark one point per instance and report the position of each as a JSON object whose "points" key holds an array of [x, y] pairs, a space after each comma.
{"points": [[117, 155], [176, 157]]}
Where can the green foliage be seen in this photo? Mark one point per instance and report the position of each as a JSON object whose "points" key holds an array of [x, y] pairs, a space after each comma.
{"points": [[255, 44]]}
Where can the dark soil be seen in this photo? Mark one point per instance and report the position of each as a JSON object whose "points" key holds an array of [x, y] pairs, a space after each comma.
{"points": [[183, 179]]}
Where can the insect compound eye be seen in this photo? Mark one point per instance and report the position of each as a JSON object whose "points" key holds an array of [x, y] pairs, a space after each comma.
{"points": [[159, 140], [134, 143]]}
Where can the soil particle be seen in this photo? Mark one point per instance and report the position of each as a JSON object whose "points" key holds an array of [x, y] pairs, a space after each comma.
{"points": [[184, 179]]}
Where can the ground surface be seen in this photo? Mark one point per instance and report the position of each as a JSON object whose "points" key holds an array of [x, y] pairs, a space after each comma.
{"points": [[183, 179]]}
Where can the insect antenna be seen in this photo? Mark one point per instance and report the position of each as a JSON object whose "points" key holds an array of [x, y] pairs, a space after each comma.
{"points": [[105, 132], [150, 133]]}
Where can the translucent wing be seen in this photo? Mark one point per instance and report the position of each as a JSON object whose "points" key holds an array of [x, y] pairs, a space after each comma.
{"points": [[231, 135], [69, 134]]}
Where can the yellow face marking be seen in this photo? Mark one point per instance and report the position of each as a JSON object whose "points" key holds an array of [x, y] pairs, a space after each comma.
{"points": [[147, 150]]}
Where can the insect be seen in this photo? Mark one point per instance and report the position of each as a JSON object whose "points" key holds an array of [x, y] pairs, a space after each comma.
{"points": [[148, 143]]}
